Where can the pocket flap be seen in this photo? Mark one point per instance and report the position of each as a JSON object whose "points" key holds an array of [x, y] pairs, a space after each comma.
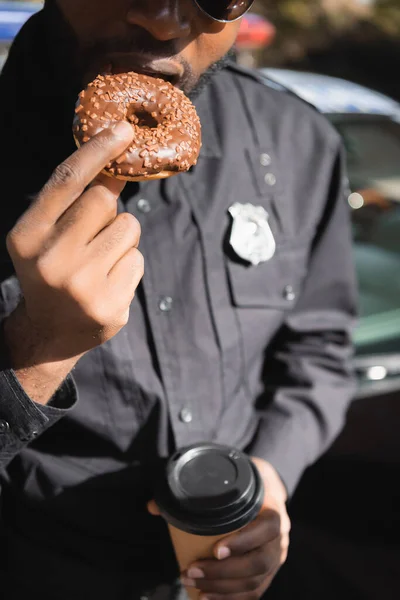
{"points": [[275, 283]]}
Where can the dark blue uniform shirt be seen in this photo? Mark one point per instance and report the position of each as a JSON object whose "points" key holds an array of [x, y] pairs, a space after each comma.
{"points": [[216, 349]]}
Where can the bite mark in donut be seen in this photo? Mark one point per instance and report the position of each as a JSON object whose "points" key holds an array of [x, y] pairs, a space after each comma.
{"points": [[167, 128]]}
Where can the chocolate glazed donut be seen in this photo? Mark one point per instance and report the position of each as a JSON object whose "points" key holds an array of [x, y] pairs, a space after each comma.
{"points": [[167, 128]]}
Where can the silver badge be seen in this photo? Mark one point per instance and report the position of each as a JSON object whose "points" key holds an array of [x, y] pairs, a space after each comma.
{"points": [[251, 236]]}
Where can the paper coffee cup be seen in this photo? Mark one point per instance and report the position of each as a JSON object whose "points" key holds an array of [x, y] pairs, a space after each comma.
{"points": [[208, 492]]}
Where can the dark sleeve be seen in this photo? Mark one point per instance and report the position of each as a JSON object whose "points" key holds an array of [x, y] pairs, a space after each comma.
{"points": [[309, 381], [22, 420]]}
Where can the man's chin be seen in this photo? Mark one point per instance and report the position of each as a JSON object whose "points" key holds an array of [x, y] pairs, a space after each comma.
{"points": [[204, 80]]}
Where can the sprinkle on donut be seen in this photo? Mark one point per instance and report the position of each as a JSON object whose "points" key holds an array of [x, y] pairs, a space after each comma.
{"points": [[167, 128]]}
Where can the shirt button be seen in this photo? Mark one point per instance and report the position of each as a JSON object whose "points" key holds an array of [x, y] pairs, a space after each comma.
{"points": [[31, 436], [185, 415], [144, 205], [289, 293], [270, 179], [165, 304], [4, 426], [265, 160]]}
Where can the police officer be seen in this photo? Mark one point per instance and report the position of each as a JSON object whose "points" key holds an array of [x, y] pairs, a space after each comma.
{"points": [[238, 333]]}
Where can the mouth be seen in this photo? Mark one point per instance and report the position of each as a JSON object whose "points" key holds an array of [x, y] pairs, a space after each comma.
{"points": [[163, 68]]}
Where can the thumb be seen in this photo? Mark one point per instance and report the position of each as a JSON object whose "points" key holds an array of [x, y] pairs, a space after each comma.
{"points": [[153, 508], [221, 550]]}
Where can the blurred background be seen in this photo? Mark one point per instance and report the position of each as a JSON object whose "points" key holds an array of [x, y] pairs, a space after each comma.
{"points": [[342, 56], [354, 39]]}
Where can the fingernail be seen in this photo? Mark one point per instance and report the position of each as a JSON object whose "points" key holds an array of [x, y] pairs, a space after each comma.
{"points": [[122, 130], [223, 552], [203, 597], [188, 582], [195, 573]]}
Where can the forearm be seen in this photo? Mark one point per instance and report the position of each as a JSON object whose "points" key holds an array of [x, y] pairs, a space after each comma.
{"points": [[271, 477], [22, 417], [309, 381], [301, 417], [39, 374], [41, 382]]}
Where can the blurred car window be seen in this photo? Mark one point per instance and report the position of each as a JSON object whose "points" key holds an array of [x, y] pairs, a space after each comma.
{"points": [[373, 149], [373, 160]]}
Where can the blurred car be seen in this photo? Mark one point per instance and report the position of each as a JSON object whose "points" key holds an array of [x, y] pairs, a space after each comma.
{"points": [[12, 17], [369, 124]]}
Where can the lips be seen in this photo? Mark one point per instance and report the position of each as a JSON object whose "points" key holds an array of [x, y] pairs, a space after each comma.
{"points": [[163, 68]]}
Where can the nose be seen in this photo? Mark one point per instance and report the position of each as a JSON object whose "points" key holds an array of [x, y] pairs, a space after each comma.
{"points": [[164, 19]]}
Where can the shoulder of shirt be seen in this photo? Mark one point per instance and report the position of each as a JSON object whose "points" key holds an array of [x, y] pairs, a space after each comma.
{"points": [[283, 100]]}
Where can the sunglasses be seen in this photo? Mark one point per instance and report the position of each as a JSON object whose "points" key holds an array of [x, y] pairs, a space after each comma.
{"points": [[224, 11]]}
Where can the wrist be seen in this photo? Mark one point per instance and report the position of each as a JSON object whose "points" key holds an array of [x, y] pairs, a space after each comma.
{"points": [[271, 478], [39, 369], [28, 346]]}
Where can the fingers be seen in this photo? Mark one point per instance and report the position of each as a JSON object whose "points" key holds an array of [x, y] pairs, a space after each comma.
{"points": [[115, 240], [153, 508], [250, 595], [246, 574], [70, 179], [248, 561], [252, 564], [92, 212], [228, 586], [127, 272], [265, 528]]}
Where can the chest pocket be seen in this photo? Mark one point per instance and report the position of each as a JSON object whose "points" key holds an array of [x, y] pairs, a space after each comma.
{"points": [[274, 284], [277, 282]]}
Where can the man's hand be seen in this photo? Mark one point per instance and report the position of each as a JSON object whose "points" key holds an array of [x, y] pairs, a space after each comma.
{"points": [[77, 263], [248, 560]]}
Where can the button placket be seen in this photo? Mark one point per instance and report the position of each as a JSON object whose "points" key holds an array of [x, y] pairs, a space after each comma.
{"points": [[165, 304], [4, 426], [270, 179], [225, 328], [265, 159], [186, 416], [163, 312], [144, 206]]}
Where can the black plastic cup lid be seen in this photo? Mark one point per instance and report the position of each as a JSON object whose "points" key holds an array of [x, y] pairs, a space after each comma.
{"points": [[209, 489]]}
